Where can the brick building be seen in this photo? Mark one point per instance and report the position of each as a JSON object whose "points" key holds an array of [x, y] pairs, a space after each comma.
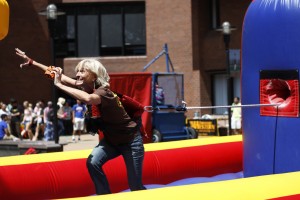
{"points": [[189, 27]]}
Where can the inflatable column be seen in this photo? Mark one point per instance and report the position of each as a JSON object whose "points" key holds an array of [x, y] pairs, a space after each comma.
{"points": [[270, 75]]}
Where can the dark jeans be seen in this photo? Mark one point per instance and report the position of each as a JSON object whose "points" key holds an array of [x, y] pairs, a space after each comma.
{"points": [[68, 124], [60, 127], [133, 154], [15, 129]]}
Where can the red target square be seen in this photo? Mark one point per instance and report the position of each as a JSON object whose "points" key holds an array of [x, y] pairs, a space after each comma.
{"points": [[279, 87]]}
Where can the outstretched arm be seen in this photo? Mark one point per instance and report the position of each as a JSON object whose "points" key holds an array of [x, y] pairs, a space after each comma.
{"points": [[30, 62]]}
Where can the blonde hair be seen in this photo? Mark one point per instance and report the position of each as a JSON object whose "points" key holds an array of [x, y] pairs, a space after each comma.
{"points": [[26, 104], [61, 100], [97, 68]]}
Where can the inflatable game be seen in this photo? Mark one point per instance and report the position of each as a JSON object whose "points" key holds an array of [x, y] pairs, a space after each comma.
{"points": [[64, 174], [268, 157]]}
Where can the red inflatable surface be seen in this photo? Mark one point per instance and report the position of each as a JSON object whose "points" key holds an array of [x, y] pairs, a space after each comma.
{"points": [[70, 178]]}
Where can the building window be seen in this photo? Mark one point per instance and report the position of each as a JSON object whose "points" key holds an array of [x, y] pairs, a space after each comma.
{"points": [[89, 30], [220, 92]]}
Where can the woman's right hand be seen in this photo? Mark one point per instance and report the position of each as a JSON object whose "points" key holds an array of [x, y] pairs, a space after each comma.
{"points": [[58, 74], [28, 61]]}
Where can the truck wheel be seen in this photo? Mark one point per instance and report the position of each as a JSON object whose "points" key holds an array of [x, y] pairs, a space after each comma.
{"points": [[192, 133], [156, 136]]}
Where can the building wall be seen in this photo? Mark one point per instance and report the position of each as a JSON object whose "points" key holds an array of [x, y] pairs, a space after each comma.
{"points": [[170, 22], [212, 50], [27, 31], [194, 48]]}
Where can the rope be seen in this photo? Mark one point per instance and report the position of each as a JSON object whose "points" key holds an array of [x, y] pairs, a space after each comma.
{"points": [[232, 106], [184, 107]]}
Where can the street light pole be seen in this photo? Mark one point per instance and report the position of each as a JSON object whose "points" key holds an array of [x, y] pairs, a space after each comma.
{"points": [[51, 17], [226, 29], [51, 14]]}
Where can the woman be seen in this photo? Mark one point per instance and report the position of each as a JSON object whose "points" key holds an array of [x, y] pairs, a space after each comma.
{"points": [[27, 120], [38, 119], [121, 133], [67, 120]]}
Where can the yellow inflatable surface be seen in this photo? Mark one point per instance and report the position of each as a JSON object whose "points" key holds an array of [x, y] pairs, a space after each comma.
{"points": [[69, 155]]}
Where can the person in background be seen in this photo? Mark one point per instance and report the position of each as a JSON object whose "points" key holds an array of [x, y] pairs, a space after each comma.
{"points": [[4, 127], [27, 120], [48, 121], [9, 105], [4, 130], [79, 110], [60, 115], [236, 117], [159, 95], [15, 121], [38, 119], [68, 117], [3, 109]]}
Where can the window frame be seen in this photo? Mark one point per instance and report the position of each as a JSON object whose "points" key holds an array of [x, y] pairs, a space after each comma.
{"points": [[62, 43]]}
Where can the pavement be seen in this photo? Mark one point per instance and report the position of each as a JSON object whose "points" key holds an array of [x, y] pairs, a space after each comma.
{"points": [[87, 141]]}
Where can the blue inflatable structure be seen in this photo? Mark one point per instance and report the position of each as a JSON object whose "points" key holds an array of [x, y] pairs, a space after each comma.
{"points": [[270, 74]]}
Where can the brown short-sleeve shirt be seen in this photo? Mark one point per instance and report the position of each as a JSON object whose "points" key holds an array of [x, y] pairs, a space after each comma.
{"points": [[119, 127]]}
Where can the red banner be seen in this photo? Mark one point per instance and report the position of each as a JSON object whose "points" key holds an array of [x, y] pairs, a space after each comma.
{"points": [[137, 86]]}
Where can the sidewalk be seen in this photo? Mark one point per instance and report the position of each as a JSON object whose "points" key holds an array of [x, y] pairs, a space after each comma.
{"points": [[87, 142]]}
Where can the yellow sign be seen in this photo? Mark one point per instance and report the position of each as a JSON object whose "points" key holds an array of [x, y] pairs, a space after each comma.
{"points": [[4, 19], [203, 126]]}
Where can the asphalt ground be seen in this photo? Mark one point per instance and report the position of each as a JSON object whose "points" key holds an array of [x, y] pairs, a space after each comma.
{"points": [[87, 141]]}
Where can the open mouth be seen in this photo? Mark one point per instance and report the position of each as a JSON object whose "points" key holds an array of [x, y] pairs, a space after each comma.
{"points": [[79, 82]]}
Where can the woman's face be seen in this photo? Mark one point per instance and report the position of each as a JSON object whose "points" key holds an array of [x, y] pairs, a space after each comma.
{"points": [[85, 79]]}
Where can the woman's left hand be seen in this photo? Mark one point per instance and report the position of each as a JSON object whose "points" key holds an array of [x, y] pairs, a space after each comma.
{"points": [[27, 61], [58, 74]]}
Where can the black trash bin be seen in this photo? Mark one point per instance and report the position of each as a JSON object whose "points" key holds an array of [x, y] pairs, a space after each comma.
{"points": [[223, 131]]}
